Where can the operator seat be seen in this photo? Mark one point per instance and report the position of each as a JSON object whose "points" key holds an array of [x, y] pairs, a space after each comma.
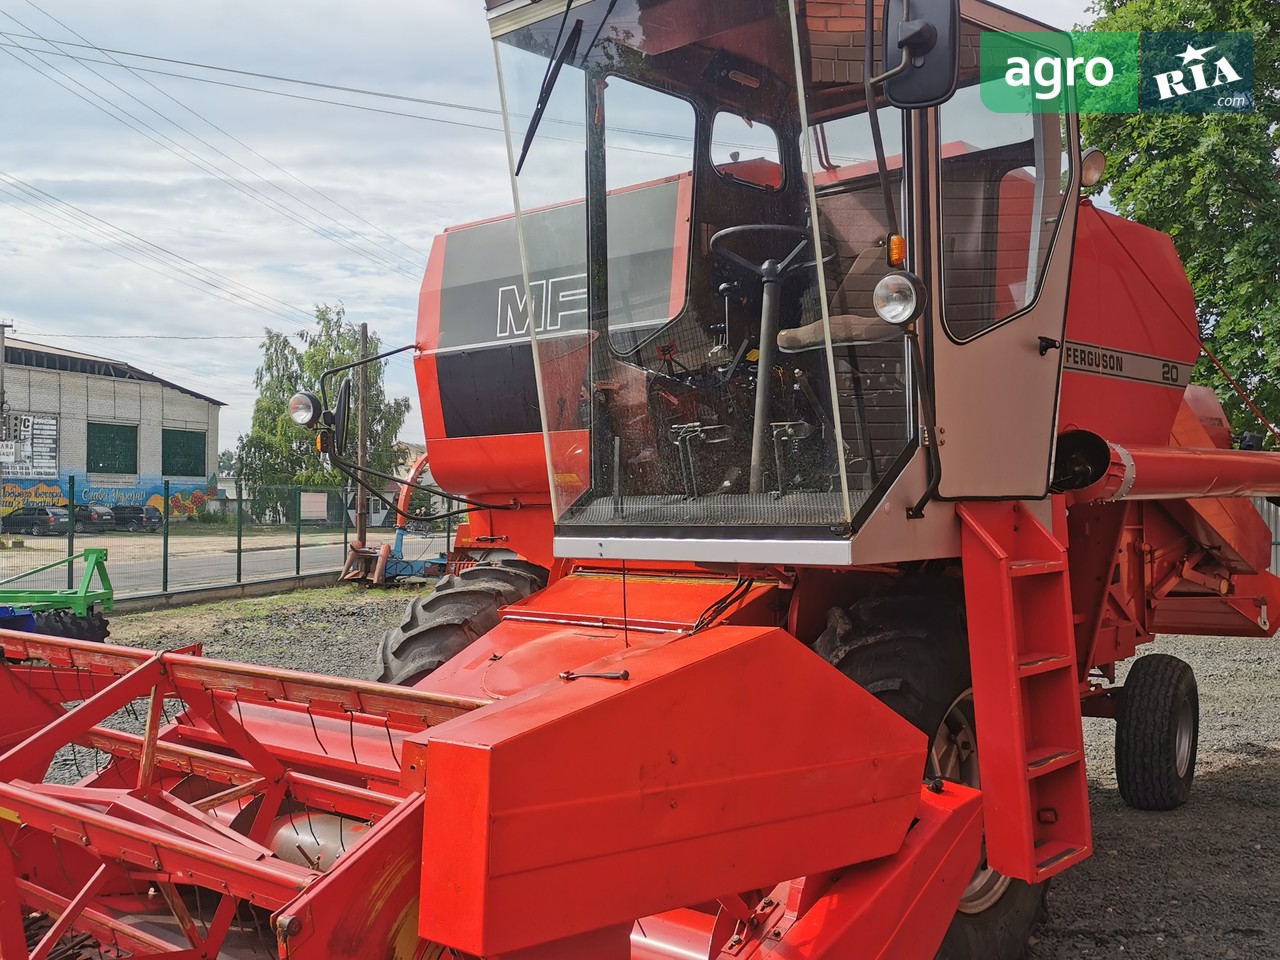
{"points": [[853, 319]]}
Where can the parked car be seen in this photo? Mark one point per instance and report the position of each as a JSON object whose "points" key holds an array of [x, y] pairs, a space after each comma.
{"points": [[133, 518], [36, 521], [92, 516]]}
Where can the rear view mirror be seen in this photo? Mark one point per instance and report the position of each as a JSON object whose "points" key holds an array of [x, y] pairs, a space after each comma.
{"points": [[341, 414], [928, 32]]}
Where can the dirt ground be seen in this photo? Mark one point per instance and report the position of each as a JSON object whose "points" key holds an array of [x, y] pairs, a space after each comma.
{"points": [[1202, 881]]}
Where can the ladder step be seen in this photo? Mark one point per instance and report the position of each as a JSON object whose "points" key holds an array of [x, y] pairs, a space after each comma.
{"points": [[1048, 759], [1035, 568], [1042, 661], [1051, 856]]}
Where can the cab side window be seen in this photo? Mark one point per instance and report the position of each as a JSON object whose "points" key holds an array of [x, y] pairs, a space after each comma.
{"points": [[1003, 186]]}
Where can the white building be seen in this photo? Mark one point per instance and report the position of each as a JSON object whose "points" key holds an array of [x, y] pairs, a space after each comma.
{"points": [[115, 430]]}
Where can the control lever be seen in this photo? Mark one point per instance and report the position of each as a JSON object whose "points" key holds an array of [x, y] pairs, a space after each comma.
{"points": [[720, 352], [737, 362], [686, 437], [784, 433]]}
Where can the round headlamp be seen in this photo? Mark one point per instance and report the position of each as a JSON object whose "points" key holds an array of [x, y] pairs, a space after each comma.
{"points": [[1093, 164], [898, 298], [305, 409]]}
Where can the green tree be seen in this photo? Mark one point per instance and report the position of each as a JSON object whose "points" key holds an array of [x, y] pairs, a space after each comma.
{"points": [[278, 454], [1213, 183]]}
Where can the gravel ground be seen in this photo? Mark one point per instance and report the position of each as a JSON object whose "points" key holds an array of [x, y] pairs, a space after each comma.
{"points": [[1202, 881]]}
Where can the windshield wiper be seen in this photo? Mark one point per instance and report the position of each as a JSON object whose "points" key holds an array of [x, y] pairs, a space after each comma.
{"points": [[548, 84]]}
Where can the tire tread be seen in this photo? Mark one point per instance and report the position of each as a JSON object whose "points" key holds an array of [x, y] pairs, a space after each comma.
{"points": [[441, 624], [1146, 733]]}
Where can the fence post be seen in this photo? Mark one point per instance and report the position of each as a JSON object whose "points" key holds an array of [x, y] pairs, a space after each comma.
{"points": [[71, 528], [239, 530], [164, 544], [343, 494], [297, 532]]}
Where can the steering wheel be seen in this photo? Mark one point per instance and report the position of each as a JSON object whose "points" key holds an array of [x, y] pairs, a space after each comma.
{"points": [[763, 271], [770, 273]]}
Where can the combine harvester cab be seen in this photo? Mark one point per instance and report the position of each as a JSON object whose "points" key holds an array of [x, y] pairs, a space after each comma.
{"points": [[854, 451]]}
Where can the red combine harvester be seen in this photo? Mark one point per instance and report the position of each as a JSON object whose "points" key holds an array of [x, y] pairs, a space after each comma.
{"points": [[838, 452]]}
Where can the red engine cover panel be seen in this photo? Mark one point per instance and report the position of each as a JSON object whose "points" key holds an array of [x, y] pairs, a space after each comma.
{"points": [[1131, 337]]}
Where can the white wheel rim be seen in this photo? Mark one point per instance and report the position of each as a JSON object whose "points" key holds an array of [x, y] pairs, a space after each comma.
{"points": [[1183, 736], [953, 755]]}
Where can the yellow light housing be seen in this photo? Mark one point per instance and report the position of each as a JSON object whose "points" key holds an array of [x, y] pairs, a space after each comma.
{"points": [[897, 250]]}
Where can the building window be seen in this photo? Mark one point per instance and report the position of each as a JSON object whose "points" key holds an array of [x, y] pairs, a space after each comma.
{"points": [[112, 448], [182, 453]]}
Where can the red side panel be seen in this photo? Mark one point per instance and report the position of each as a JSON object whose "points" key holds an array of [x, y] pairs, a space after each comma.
{"points": [[897, 908], [1204, 404], [1231, 526], [1013, 241], [428, 336], [1131, 332], [725, 761]]}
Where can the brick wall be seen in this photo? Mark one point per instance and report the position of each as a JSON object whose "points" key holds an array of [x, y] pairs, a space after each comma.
{"points": [[836, 41]]}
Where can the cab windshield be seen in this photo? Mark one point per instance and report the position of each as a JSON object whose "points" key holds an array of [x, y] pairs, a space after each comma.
{"points": [[702, 227]]}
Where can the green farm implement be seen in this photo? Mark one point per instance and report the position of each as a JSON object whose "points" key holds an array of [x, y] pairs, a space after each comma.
{"points": [[78, 612]]}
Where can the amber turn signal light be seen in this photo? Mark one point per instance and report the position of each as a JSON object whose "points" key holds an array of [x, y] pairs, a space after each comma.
{"points": [[897, 250]]}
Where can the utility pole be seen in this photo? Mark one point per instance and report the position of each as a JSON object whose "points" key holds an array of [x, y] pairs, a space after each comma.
{"points": [[4, 404], [362, 439], [4, 408]]}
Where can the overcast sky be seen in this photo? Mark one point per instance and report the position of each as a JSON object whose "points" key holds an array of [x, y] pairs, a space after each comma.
{"points": [[286, 203]]}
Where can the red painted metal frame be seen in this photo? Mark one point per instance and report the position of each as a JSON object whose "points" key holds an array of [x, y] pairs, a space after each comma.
{"points": [[743, 787], [137, 826]]}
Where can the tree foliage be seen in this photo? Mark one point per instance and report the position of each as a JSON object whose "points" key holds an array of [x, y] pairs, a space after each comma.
{"points": [[1213, 183], [277, 453]]}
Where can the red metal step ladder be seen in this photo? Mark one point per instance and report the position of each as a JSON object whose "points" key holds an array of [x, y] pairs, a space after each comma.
{"points": [[1026, 691]]}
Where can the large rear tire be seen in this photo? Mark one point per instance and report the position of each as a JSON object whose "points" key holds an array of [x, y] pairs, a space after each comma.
{"points": [[908, 647], [462, 608]]}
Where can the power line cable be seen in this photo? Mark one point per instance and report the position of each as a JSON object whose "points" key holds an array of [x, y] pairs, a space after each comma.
{"points": [[156, 336], [214, 291], [206, 166], [144, 247], [655, 134], [196, 137], [193, 112], [494, 111]]}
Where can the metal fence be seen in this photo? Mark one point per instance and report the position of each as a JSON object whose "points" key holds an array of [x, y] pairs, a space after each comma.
{"points": [[266, 533]]}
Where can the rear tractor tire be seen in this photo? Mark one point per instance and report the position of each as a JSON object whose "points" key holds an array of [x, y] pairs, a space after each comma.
{"points": [[908, 648], [1157, 732], [462, 608]]}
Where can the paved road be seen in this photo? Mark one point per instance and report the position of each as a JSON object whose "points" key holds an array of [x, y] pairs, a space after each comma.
{"points": [[137, 567]]}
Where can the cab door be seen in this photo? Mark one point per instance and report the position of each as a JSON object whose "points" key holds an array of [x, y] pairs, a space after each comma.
{"points": [[1005, 220]]}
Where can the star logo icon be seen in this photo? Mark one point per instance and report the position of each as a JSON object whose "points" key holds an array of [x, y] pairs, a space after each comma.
{"points": [[1191, 53]]}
